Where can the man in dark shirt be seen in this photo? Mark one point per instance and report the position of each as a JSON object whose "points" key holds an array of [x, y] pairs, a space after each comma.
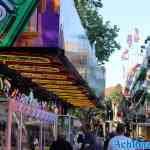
{"points": [[61, 144]]}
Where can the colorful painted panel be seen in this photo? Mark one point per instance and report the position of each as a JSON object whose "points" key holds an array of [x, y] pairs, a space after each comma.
{"points": [[14, 14], [50, 24]]}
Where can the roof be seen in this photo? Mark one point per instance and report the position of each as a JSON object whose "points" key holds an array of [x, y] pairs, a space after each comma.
{"points": [[49, 72], [109, 90]]}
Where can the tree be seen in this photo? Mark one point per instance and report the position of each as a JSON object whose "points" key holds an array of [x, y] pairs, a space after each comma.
{"points": [[116, 95], [100, 34], [116, 99]]}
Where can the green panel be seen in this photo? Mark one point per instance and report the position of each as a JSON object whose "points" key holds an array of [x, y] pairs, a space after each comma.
{"points": [[14, 15], [26, 28]]}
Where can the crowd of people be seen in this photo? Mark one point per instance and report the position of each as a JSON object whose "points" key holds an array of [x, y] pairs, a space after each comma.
{"points": [[87, 139]]}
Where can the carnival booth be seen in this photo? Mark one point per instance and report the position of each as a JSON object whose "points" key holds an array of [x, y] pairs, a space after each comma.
{"points": [[25, 127], [24, 122], [33, 92]]}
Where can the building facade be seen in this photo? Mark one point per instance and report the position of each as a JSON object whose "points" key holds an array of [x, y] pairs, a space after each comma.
{"points": [[78, 48]]}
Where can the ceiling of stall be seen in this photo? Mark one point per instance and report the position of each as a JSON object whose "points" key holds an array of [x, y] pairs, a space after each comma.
{"points": [[51, 70]]}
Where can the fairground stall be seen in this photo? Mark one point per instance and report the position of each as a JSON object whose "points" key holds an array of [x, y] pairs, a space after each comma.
{"points": [[38, 82], [48, 68], [26, 122], [25, 127]]}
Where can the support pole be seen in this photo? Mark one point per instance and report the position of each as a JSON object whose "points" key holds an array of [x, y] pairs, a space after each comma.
{"points": [[69, 130], [41, 136], [20, 128], [9, 126]]}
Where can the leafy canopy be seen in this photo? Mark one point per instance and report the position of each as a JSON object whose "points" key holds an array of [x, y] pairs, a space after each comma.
{"points": [[100, 33], [116, 95]]}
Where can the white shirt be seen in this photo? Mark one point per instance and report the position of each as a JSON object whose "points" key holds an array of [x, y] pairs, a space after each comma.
{"points": [[121, 143]]}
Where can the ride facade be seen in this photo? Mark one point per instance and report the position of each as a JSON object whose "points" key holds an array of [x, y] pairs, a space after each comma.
{"points": [[38, 82]]}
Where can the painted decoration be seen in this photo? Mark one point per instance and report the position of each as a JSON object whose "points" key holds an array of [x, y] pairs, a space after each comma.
{"points": [[5, 89], [5, 86], [55, 5], [33, 112], [47, 22], [50, 26], [14, 14]]}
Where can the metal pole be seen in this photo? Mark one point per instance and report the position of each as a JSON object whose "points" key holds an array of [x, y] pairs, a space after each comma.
{"points": [[20, 140], [41, 135], [43, 143], [55, 129], [9, 126], [69, 129]]}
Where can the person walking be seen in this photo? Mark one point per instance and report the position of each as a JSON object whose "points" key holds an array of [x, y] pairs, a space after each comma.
{"points": [[120, 141], [79, 140], [92, 141], [61, 144]]}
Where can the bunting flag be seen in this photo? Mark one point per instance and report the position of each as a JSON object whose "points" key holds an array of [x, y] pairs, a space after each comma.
{"points": [[136, 67], [136, 35], [124, 71], [129, 40], [125, 55]]}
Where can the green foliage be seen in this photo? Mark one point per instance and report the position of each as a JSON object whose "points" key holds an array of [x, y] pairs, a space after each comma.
{"points": [[86, 115], [100, 33], [147, 39], [76, 112], [116, 97]]}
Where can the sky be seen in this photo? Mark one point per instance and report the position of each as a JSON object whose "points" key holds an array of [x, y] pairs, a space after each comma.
{"points": [[127, 14]]}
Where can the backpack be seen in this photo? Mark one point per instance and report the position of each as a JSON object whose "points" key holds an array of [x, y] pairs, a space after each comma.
{"points": [[80, 138]]}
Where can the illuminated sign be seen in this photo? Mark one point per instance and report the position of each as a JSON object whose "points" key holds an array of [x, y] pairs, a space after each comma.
{"points": [[77, 93], [70, 87], [66, 91], [52, 82], [22, 58], [45, 76], [34, 68], [13, 16], [88, 105]]}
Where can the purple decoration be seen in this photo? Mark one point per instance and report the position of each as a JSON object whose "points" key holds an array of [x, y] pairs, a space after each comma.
{"points": [[50, 27], [27, 110]]}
